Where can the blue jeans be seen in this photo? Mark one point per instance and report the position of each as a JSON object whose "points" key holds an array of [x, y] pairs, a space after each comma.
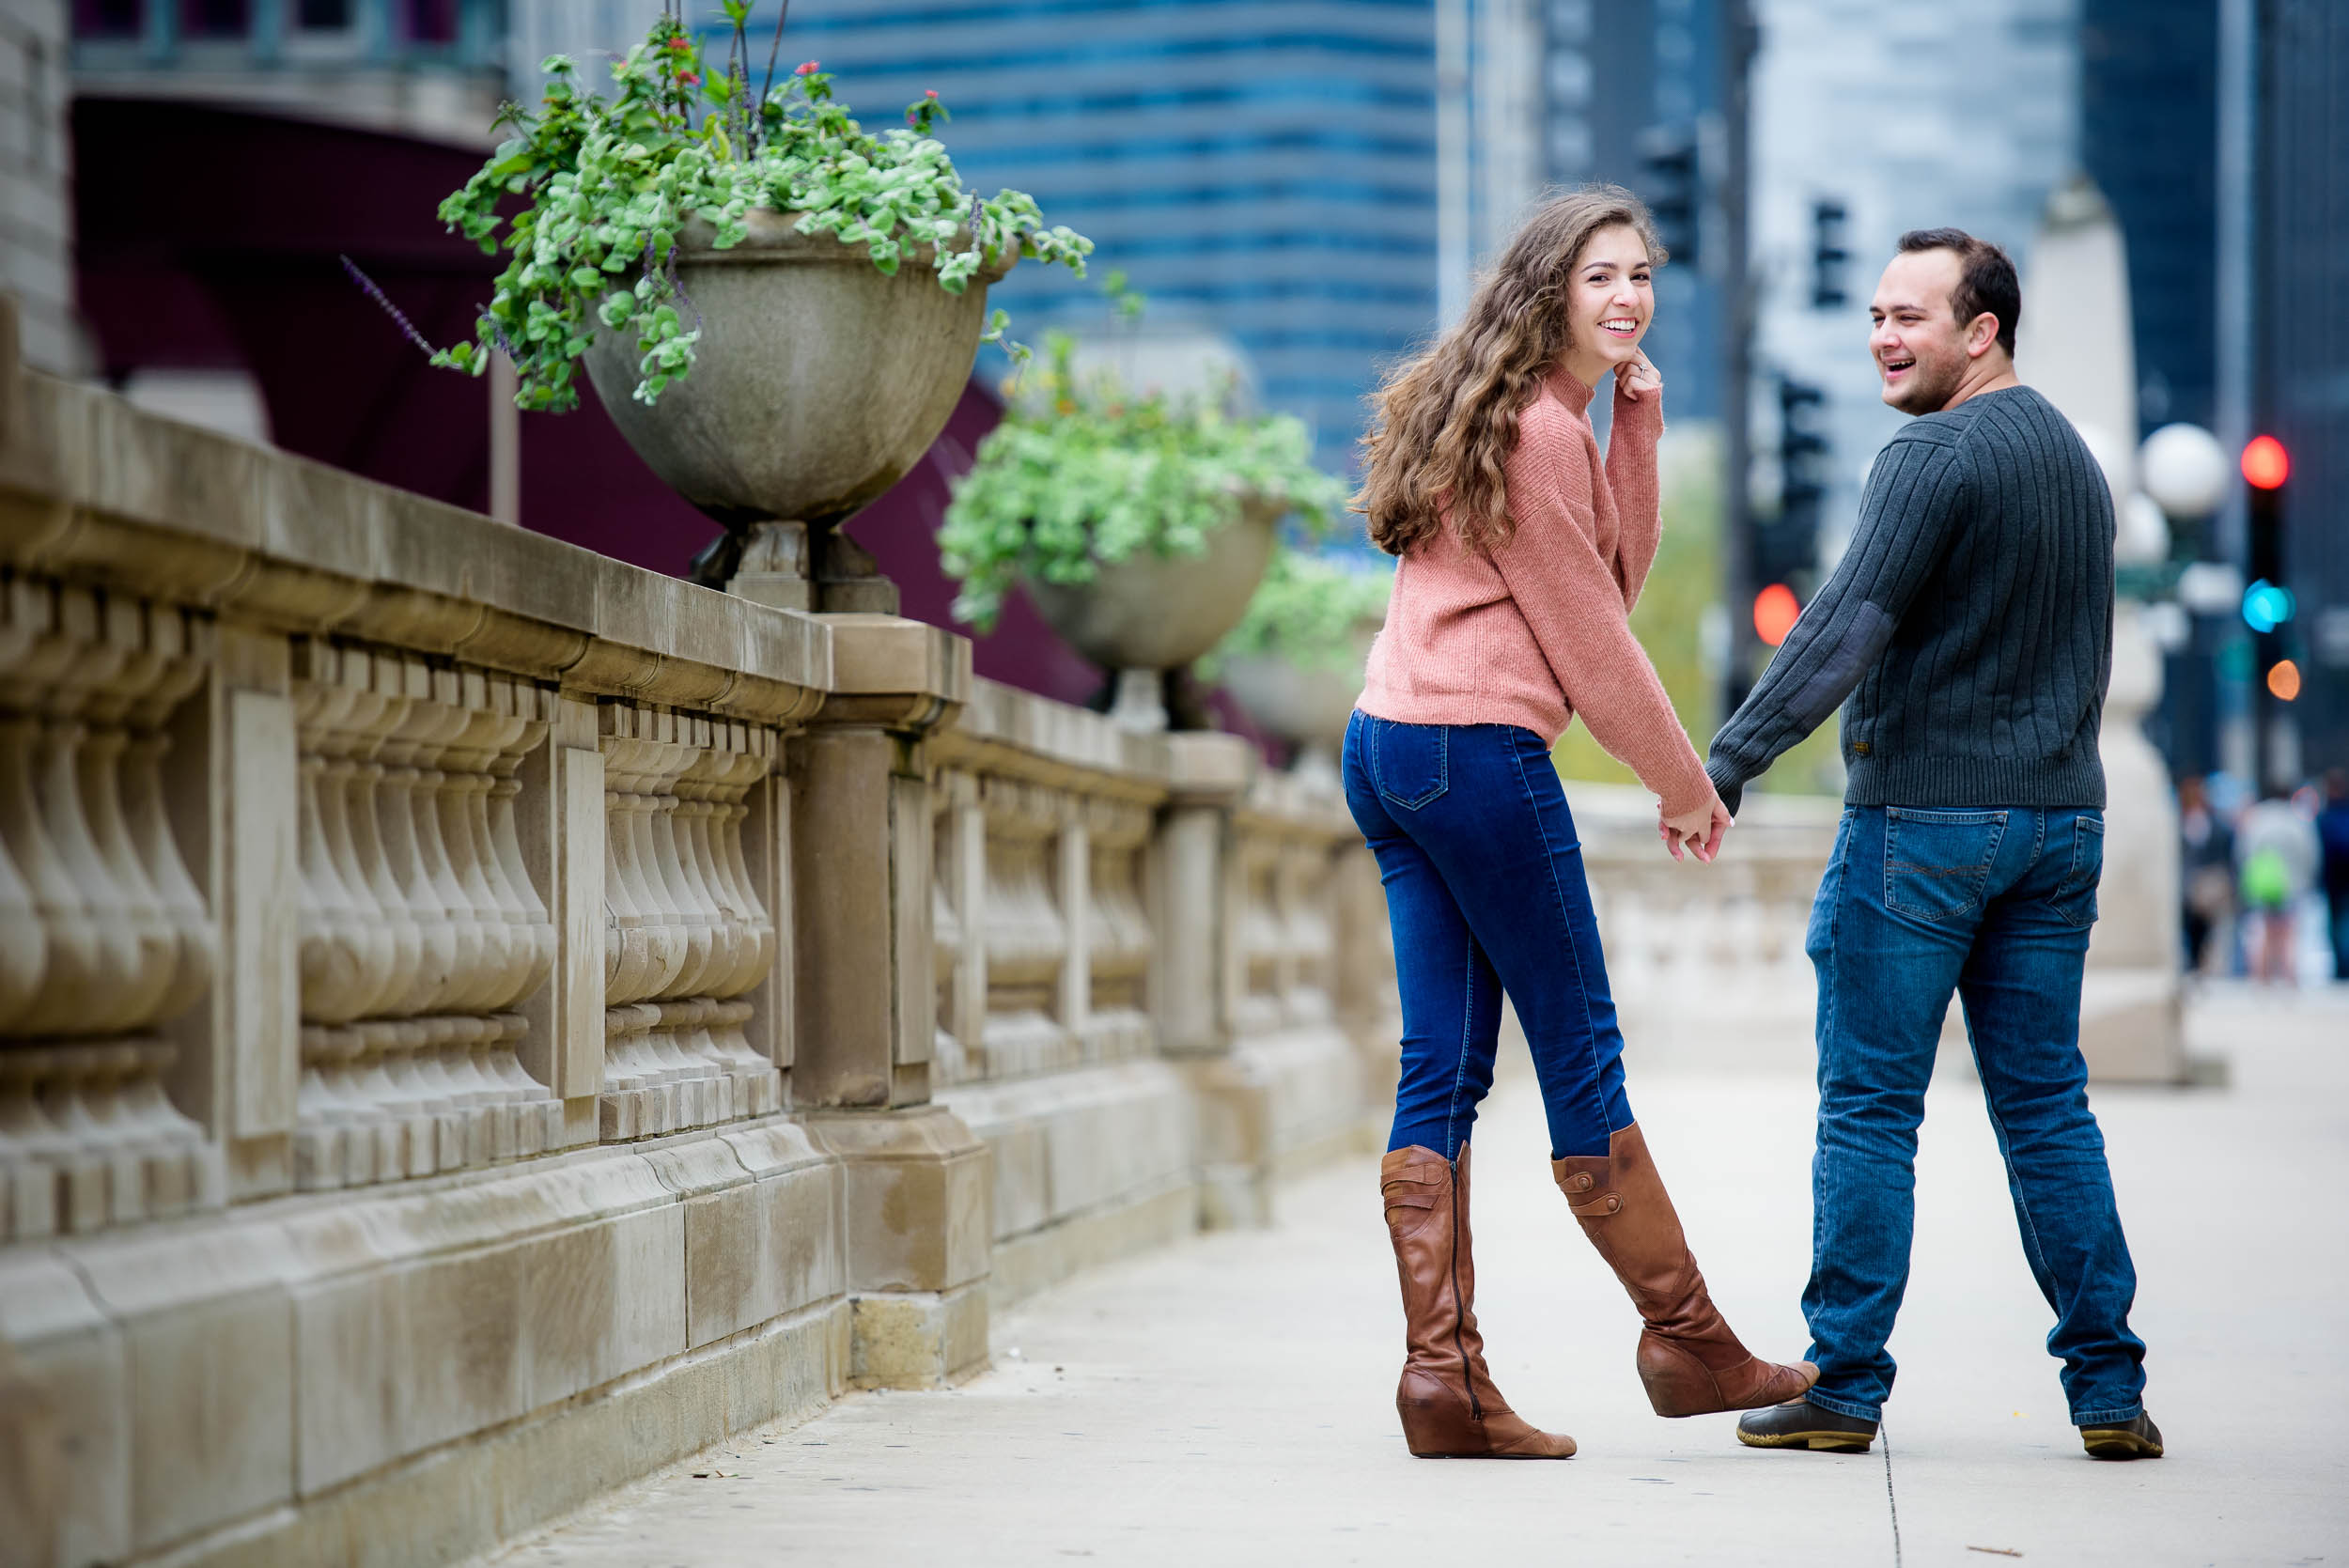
{"points": [[1485, 893], [1993, 904]]}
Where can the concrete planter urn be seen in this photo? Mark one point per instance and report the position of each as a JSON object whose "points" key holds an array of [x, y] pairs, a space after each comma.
{"points": [[1306, 705], [1148, 614], [818, 382]]}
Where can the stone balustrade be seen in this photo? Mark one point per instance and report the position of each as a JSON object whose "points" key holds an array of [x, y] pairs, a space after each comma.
{"points": [[104, 937], [479, 1021], [1707, 961]]}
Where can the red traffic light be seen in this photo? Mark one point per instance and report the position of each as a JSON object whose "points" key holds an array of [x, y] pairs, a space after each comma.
{"points": [[1775, 610], [2266, 463]]}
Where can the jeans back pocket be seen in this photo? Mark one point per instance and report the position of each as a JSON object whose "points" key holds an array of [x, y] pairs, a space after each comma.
{"points": [[1937, 864], [1411, 764], [2074, 898]]}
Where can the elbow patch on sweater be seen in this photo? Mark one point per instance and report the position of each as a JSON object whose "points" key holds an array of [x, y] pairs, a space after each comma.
{"points": [[1824, 689]]}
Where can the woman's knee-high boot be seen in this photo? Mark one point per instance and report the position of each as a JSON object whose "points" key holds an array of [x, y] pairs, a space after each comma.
{"points": [[1449, 1406], [1690, 1361]]}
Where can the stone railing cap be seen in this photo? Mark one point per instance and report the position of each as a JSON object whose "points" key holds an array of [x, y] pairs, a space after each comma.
{"points": [[91, 485]]}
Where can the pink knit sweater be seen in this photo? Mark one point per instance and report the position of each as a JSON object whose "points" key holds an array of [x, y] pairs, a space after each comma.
{"points": [[1539, 631]]}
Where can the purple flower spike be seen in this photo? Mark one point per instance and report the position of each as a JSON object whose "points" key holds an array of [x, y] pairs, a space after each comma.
{"points": [[407, 328]]}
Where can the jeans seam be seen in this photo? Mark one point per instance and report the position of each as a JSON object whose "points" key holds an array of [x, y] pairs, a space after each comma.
{"points": [[1459, 1069], [1582, 985], [2006, 1154], [1839, 871]]}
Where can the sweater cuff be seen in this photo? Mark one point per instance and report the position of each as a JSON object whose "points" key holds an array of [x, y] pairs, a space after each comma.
{"points": [[1690, 790], [1642, 414], [1726, 783]]}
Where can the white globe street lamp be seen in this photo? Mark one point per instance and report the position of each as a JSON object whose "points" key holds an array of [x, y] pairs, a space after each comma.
{"points": [[2183, 468]]}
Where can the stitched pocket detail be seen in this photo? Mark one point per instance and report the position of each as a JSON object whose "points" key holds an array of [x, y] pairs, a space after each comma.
{"points": [[1937, 864], [2074, 898], [1411, 764]]}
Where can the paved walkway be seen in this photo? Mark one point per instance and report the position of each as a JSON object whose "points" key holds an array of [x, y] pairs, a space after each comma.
{"points": [[1228, 1401]]}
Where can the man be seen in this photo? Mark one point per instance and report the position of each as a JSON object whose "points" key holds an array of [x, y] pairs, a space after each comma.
{"points": [[2207, 869], [2332, 829], [1969, 624]]}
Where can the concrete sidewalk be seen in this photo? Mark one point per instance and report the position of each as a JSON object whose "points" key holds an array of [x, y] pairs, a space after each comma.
{"points": [[1229, 1399]]}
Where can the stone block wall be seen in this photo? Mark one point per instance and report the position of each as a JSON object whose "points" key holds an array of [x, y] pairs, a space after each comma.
{"points": [[479, 1021]]}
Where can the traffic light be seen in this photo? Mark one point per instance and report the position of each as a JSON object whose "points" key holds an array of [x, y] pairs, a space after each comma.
{"points": [[1828, 255], [1787, 546], [2267, 603], [1670, 185]]}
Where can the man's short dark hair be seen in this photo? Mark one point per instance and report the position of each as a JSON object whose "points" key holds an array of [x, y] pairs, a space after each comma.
{"points": [[1986, 278]]}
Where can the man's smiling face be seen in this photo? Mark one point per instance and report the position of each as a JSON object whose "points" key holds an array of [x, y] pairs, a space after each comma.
{"points": [[1918, 343]]}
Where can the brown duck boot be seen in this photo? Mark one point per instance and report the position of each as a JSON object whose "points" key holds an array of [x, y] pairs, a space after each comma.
{"points": [[1449, 1406], [1690, 1361]]}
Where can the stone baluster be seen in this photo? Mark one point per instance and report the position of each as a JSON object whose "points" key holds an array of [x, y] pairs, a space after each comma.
{"points": [[106, 937], [1305, 892], [1263, 941], [721, 790], [948, 1064], [687, 934], [1024, 934], [421, 931], [1120, 948]]}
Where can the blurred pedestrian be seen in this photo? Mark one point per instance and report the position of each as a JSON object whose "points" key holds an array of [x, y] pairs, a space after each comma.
{"points": [[2206, 867], [1969, 624], [2276, 860], [1521, 554], [2332, 834]]}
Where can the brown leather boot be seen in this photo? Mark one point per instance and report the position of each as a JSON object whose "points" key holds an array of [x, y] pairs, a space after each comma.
{"points": [[1689, 1358], [1449, 1406]]}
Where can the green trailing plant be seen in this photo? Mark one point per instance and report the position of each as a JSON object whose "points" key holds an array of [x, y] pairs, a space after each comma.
{"points": [[1081, 472], [609, 183], [1311, 611]]}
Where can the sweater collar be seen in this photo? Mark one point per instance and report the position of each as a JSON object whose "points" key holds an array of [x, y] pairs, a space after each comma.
{"points": [[1568, 389]]}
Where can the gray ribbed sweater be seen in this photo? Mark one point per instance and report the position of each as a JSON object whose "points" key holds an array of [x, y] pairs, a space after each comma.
{"points": [[1970, 623]]}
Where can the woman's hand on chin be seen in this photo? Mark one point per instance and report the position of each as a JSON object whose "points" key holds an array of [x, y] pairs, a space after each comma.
{"points": [[1637, 378]]}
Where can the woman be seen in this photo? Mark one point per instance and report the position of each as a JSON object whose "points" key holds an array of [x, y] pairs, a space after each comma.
{"points": [[1521, 559]]}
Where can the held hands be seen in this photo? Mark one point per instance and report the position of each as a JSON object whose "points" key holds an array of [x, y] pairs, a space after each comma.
{"points": [[1637, 378], [1697, 832]]}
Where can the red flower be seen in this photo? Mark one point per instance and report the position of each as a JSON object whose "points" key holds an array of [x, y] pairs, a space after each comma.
{"points": [[690, 78], [680, 45], [807, 68], [929, 92]]}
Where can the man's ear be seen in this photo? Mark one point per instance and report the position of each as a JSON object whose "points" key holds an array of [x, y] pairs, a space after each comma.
{"points": [[1980, 334]]}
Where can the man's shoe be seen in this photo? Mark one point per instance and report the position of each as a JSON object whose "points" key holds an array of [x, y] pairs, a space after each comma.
{"points": [[2136, 1439], [1800, 1424]]}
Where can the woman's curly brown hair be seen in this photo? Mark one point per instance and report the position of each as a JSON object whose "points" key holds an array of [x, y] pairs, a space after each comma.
{"points": [[1446, 421]]}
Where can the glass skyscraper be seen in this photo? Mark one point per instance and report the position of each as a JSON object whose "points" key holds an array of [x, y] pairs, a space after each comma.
{"points": [[1261, 168]]}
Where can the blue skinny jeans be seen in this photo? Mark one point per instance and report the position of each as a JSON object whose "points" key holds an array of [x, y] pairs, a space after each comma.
{"points": [[1994, 905], [1485, 893]]}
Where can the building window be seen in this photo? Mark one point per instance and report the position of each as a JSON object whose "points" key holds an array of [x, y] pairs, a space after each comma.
{"points": [[432, 21], [109, 19], [323, 16], [214, 19]]}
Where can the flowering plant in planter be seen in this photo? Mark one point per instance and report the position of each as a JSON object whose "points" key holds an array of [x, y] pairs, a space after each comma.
{"points": [[610, 183], [1082, 473], [1311, 611]]}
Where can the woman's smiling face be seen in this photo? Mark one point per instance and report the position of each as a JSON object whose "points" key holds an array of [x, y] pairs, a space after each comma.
{"points": [[1610, 303]]}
